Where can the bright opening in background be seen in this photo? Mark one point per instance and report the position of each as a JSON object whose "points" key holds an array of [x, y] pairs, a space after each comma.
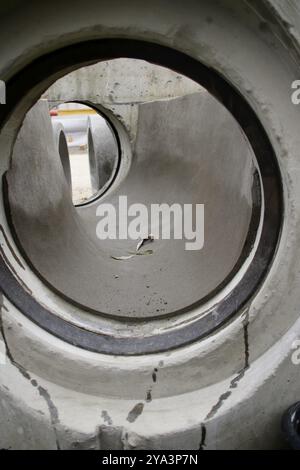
{"points": [[92, 149]]}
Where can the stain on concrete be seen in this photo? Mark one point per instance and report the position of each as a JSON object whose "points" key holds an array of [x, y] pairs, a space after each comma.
{"points": [[149, 396], [154, 380], [107, 419], [42, 391], [135, 412]]}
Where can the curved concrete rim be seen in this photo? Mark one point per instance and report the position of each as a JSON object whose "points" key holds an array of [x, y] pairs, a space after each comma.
{"points": [[113, 125], [271, 182], [229, 390], [63, 151]]}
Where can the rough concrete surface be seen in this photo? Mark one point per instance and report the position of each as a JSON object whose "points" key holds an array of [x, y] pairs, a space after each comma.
{"points": [[227, 391], [206, 161]]}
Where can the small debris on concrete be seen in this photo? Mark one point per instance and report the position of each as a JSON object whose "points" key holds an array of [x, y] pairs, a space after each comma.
{"points": [[141, 243], [122, 258], [146, 252]]}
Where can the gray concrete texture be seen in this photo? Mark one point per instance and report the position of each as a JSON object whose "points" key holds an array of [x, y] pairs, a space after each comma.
{"points": [[103, 153], [62, 149], [188, 150], [227, 391], [121, 82], [120, 85]]}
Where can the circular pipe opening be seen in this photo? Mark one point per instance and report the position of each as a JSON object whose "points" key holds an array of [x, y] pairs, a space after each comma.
{"points": [[92, 146], [258, 253]]}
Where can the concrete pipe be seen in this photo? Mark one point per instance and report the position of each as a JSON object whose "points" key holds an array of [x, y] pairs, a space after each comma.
{"points": [[63, 151], [95, 359], [207, 160], [75, 128], [73, 125], [103, 153]]}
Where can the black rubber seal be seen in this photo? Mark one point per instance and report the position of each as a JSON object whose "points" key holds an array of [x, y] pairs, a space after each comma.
{"points": [[290, 426], [89, 52]]}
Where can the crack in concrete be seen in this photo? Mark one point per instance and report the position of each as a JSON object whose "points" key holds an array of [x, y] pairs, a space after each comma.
{"points": [[235, 381], [203, 437], [218, 405], [154, 380], [53, 412], [246, 340], [138, 409]]}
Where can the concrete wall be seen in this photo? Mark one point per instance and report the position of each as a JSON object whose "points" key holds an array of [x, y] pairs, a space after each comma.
{"points": [[121, 81], [120, 85]]}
